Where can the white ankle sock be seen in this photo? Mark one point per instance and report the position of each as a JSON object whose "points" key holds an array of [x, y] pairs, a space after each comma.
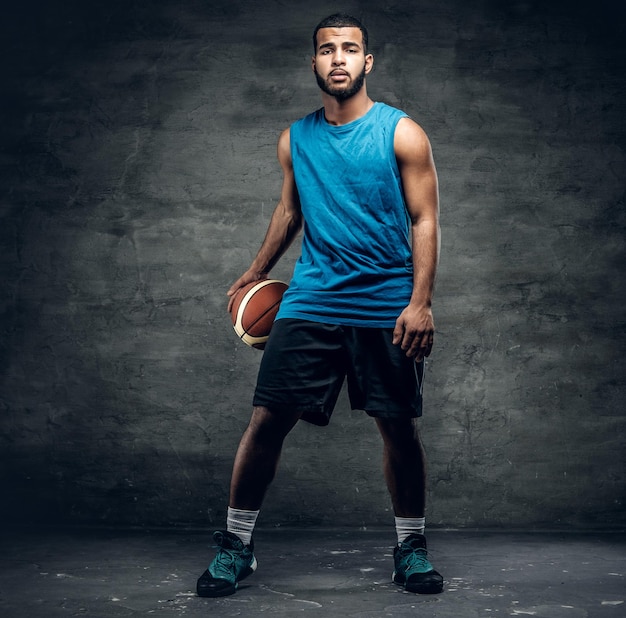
{"points": [[241, 523], [409, 525]]}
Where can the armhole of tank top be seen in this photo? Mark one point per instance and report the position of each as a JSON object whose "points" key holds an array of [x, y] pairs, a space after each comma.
{"points": [[393, 146], [291, 141]]}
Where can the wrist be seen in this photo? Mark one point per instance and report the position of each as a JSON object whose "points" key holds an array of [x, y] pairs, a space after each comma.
{"points": [[421, 303]]}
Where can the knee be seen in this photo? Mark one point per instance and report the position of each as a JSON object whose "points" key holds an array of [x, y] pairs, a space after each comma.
{"points": [[399, 435], [267, 426]]}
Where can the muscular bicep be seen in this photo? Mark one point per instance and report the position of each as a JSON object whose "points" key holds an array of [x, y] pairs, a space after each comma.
{"points": [[417, 171]]}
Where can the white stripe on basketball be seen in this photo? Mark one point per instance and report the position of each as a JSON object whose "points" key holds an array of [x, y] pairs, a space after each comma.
{"points": [[253, 340]]}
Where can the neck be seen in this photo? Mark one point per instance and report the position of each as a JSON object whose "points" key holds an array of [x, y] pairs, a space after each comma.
{"points": [[343, 112]]}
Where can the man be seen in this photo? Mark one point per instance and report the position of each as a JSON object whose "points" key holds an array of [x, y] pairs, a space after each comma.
{"points": [[360, 178]]}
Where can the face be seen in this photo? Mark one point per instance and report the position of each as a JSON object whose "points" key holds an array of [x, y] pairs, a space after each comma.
{"points": [[340, 63]]}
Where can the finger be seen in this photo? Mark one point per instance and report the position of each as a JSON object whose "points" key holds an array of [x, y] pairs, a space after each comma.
{"points": [[236, 286], [233, 288], [427, 346], [421, 346], [232, 292], [398, 333], [411, 343]]}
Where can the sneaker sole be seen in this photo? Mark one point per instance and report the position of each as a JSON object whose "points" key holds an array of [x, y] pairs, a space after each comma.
{"points": [[428, 588], [213, 593]]}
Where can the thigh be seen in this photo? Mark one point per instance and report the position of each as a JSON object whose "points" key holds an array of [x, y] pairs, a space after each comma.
{"points": [[381, 379], [302, 369]]}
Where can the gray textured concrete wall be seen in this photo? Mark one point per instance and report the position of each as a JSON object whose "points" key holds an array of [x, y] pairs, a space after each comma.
{"points": [[138, 176]]}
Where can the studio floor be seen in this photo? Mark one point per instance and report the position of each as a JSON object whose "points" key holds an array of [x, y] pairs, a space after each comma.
{"points": [[311, 572]]}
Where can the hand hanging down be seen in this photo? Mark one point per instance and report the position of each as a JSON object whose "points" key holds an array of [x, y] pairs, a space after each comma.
{"points": [[414, 332]]}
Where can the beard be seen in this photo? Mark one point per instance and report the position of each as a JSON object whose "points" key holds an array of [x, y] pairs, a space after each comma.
{"points": [[341, 94]]}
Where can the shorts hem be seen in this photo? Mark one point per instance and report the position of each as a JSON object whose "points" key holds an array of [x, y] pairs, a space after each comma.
{"points": [[314, 414]]}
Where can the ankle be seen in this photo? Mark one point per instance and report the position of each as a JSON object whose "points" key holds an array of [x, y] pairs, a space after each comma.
{"points": [[405, 526], [241, 523]]}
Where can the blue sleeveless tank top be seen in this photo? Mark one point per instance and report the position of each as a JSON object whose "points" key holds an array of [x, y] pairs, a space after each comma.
{"points": [[356, 266]]}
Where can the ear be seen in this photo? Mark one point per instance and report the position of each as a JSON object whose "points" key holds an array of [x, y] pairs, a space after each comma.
{"points": [[313, 63], [369, 63]]}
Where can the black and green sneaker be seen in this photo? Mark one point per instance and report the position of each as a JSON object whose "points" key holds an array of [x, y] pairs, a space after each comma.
{"points": [[233, 562], [413, 570]]}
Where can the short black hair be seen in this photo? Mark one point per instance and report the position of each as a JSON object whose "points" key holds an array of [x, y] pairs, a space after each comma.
{"points": [[341, 20]]}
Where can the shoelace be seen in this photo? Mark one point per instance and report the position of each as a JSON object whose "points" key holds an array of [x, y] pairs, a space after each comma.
{"points": [[416, 559], [224, 563]]}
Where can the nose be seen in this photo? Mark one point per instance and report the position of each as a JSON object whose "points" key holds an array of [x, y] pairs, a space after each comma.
{"points": [[338, 58]]}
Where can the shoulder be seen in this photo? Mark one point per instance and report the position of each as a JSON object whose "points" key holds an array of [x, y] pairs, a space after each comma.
{"points": [[284, 147], [410, 141], [297, 131], [387, 113], [310, 119]]}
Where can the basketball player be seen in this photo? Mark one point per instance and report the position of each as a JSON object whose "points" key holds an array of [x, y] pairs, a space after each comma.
{"points": [[361, 176]]}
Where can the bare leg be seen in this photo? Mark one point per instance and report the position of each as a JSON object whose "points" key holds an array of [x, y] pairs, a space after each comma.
{"points": [[404, 466], [257, 457]]}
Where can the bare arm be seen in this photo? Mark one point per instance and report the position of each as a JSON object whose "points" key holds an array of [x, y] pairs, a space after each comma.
{"points": [[415, 327], [284, 225]]}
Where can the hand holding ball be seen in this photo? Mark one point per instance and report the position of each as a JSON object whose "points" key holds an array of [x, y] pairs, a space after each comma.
{"points": [[254, 308]]}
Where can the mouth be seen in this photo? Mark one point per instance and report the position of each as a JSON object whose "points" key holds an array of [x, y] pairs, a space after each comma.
{"points": [[338, 75]]}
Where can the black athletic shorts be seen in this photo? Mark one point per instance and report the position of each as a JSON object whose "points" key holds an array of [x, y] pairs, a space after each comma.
{"points": [[305, 363]]}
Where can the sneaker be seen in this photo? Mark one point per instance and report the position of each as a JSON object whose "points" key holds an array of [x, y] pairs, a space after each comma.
{"points": [[233, 562], [413, 569]]}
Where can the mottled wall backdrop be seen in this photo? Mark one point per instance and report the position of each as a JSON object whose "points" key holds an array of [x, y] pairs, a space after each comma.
{"points": [[138, 175]]}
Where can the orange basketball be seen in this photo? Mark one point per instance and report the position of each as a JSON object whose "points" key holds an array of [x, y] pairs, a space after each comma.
{"points": [[254, 308]]}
